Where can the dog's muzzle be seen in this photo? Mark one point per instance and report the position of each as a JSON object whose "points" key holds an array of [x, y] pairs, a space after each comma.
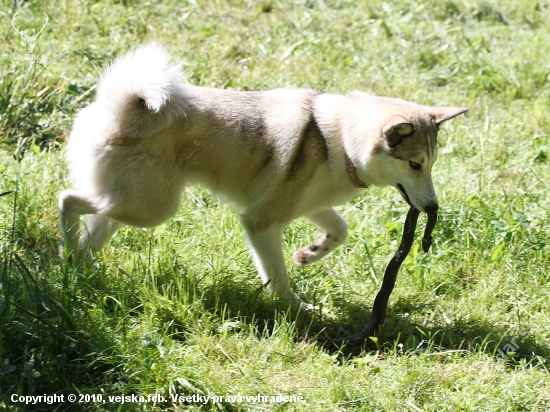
{"points": [[431, 207]]}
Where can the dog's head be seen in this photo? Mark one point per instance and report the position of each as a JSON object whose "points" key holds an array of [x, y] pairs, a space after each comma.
{"points": [[404, 155]]}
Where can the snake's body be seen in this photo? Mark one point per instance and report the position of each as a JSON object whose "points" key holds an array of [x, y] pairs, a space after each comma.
{"points": [[381, 301]]}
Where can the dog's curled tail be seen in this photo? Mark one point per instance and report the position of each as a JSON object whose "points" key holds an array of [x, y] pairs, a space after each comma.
{"points": [[142, 91]]}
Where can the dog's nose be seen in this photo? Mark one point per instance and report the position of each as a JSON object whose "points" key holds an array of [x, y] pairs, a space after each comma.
{"points": [[431, 208]]}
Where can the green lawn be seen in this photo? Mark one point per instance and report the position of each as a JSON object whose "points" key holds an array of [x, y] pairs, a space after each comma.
{"points": [[178, 311]]}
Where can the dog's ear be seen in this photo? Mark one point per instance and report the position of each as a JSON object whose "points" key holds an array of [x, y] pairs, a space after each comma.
{"points": [[440, 114], [396, 130]]}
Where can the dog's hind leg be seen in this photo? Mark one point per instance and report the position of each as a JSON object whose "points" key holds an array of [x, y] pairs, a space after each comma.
{"points": [[336, 231], [99, 229], [267, 252], [72, 205]]}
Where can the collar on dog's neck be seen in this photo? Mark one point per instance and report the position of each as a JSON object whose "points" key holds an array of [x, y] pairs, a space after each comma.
{"points": [[352, 174]]}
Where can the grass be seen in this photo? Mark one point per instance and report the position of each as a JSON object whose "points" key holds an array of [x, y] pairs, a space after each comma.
{"points": [[179, 310]]}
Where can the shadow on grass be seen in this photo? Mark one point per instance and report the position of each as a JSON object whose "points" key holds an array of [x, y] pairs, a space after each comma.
{"points": [[54, 340], [462, 335], [48, 344]]}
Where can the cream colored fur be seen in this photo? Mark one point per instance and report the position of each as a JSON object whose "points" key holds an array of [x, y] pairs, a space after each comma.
{"points": [[274, 155]]}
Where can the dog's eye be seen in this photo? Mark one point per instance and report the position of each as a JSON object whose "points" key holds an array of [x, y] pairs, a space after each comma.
{"points": [[415, 166]]}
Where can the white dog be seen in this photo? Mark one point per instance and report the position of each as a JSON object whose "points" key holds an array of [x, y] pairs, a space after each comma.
{"points": [[274, 155]]}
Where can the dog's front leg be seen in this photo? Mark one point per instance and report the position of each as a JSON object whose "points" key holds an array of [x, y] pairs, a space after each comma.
{"points": [[336, 230], [267, 252]]}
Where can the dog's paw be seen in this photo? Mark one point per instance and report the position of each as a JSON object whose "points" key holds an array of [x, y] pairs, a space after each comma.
{"points": [[301, 258], [307, 255], [308, 307], [296, 302]]}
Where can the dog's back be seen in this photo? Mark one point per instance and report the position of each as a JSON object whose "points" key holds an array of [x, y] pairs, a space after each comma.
{"points": [[145, 121]]}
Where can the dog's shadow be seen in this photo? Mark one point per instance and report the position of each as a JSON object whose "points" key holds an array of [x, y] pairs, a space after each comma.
{"points": [[247, 306], [398, 333]]}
